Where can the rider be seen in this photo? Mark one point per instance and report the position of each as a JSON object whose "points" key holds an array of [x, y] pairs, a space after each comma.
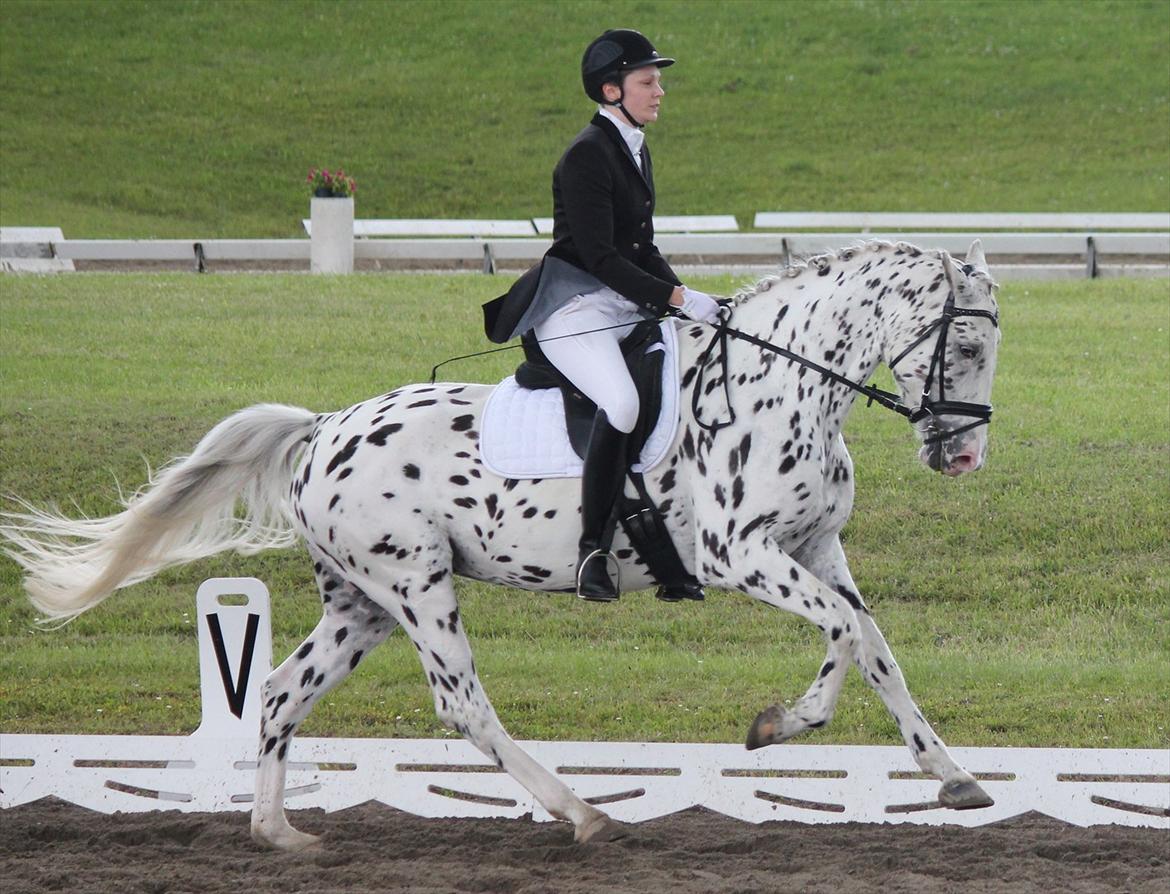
{"points": [[602, 270]]}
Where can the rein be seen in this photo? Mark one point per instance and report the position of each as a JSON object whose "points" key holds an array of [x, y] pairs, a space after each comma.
{"points": [[519, 345], [981, 413]]}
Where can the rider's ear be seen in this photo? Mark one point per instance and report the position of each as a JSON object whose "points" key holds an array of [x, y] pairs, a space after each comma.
{"points": [[975, 256]]}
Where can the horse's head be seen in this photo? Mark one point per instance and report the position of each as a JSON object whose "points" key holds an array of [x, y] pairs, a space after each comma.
{"points": [[942, 345]]}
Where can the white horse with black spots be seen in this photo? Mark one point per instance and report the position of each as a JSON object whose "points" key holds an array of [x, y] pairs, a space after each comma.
{"points": [[392, 501]]}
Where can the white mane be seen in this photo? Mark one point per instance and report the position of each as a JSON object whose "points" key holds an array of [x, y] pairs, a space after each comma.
{"points": [[798, 266]]}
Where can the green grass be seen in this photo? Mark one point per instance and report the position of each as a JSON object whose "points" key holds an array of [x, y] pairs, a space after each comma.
{"points": [[186, 119], [1027, 603]]}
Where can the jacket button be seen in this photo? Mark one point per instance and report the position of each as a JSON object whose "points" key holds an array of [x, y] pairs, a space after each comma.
{"points": [[643, 225], [636, 246], [647, 203]]}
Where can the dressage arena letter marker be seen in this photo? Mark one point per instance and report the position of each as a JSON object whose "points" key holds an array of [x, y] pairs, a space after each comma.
{"points": [[235, 655], [235, 690]]}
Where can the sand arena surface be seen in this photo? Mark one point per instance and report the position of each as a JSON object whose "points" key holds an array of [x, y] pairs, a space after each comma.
{"points": [[54, 846]]}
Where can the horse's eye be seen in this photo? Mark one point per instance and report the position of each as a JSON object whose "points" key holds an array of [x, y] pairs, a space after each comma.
{"points": [[969, 351]]}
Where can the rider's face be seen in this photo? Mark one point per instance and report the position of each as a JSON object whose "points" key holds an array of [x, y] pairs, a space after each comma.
{"points": [[641, 93]]}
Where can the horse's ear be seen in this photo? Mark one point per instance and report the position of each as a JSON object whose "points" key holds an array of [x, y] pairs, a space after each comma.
{"points": [[975, 256]]}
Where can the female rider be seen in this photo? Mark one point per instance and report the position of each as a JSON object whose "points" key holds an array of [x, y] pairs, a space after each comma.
{"points": [[602, 271]]}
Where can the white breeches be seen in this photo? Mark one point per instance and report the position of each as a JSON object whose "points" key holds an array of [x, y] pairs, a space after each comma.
{"points": [[594, 362]]}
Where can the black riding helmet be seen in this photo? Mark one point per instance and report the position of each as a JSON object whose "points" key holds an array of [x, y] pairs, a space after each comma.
{"points": [[610, 57]]}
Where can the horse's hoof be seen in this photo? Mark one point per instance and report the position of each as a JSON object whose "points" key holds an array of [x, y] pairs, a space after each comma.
{"points": [[601, 829], [964, 795], [288, 840], [768, 728]]}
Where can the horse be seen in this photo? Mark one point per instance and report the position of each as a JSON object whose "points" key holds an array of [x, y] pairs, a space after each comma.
{"points": [[392, 500]]}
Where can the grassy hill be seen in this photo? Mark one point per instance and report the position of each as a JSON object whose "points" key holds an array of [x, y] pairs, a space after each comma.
{"points": [[165, 118]]}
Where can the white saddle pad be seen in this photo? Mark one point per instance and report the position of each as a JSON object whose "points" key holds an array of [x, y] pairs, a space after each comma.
{"points": [[522, 434]]}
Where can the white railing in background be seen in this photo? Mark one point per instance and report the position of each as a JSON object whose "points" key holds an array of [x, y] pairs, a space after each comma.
{"points": [[1076, 245], [212, 769], [931, 220]]}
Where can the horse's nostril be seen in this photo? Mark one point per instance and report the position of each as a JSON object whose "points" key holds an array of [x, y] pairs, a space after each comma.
{"points": [[965, 462]]}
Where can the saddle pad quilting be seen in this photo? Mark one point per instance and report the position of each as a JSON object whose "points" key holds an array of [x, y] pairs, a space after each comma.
{"points": [[522, 433]]}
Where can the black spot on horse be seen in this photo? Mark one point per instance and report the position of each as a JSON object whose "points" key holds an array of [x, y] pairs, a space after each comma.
{"points": [[852, 598], [378, 438], [344, 454], [410, 470], [462, 423], [421, 403]]}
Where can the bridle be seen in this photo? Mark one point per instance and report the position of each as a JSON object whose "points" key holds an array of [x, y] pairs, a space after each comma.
{"points": [[928, 408]]}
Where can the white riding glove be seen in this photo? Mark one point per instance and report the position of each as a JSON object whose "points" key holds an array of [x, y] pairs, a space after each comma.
{"points": [[699, 306]]}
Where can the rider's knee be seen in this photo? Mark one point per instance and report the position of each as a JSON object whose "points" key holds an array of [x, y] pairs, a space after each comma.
{"points": [[622, 411]]}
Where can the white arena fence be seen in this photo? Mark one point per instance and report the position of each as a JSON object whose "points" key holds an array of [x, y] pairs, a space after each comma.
{"points": [[1018, 246], [212, 769]]}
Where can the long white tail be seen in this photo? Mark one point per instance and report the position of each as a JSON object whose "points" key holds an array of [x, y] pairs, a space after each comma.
{"points": [[185, 512]]}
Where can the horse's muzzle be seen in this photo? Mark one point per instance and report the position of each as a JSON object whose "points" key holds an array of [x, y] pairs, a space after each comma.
{"points": [[953, 455]]}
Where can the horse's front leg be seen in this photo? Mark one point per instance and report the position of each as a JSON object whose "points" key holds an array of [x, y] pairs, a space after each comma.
{"points": [[826, 561], [758, 567]]}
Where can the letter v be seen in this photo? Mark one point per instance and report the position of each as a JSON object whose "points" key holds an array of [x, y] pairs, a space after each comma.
{"points": [[237, 690]]}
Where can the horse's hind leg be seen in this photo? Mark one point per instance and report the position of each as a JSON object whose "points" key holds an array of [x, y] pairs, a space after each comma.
{"points": [[426, 604], [350, 627]]}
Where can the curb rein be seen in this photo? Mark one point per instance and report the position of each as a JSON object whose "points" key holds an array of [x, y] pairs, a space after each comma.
{"points": [[981, 413]]}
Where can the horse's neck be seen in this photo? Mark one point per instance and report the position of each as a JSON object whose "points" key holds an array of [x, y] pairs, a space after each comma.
{"points": [[833, 326]]}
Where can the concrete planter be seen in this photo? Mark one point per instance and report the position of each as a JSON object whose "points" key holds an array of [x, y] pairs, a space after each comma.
{"points": [[331, 249]]}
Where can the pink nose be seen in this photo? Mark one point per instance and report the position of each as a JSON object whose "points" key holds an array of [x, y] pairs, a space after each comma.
{"points": [[962, 462]]}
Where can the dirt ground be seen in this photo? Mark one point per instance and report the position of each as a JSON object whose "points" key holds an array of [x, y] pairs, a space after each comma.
{"points": [[54, 846]]}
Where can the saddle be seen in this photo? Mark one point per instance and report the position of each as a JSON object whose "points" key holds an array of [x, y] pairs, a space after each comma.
{"points": [[639, 515]]}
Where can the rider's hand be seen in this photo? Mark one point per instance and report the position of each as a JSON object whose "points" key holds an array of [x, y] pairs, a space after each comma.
{"points": [[699, 306]]}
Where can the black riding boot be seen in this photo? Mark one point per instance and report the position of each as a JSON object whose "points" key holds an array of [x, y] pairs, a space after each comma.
{"points": [[601, 482]]}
